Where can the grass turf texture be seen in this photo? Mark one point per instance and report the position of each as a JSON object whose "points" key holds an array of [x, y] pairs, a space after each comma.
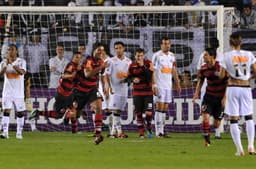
{"points": [[63, 150]]}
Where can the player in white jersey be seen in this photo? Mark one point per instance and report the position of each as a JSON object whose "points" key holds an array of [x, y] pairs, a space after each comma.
{"points": [[103, 89], [116, 74], [165, 69], [238, 64], [57, 65], [214, 43], [13, 69]]}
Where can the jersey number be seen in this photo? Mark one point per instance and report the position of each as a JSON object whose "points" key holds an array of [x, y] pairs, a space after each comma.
{"points": [[241, 69]]}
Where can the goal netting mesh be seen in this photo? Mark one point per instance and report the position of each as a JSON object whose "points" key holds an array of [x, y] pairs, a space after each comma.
{"points": [[38, 30]]}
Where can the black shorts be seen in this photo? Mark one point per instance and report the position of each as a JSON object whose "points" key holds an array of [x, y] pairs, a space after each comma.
{"points": [[63, 102], [213, 106], [83, 98], [143, 103]]}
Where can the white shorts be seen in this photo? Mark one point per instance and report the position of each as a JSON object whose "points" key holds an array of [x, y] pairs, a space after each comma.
{"points": [[19, 103], [117, 102], [239, 101], [164, 95], [105, 103]]}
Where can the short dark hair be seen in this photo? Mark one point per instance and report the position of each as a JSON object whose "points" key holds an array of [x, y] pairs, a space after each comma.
{"points": [[61, 44], [247, 5], [214, 42], [76, 53], [235, 39], [212, 52], [98, 44], [81, 44], [119, 43], [13, 45], [187, 72], [140, 50], [165, 38]]}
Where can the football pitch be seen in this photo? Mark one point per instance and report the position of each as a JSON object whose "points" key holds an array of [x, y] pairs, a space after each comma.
{"points": [[63, 150]]}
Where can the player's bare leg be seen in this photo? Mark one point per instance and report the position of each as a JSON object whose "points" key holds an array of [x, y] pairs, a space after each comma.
{"points": [[206, 128], [98, 121]]}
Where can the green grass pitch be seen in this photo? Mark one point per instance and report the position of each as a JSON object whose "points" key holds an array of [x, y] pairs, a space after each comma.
{"points": [[63, 150]]}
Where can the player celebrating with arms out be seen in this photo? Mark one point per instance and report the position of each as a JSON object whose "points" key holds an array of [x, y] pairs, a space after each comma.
{"points": [[86, 91], [215, 91]]}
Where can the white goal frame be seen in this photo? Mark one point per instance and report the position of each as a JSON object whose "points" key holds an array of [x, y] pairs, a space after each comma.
{"points": [[138, 9]]}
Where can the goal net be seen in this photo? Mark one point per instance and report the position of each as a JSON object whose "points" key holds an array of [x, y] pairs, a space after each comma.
{"points": [[38, 31]]}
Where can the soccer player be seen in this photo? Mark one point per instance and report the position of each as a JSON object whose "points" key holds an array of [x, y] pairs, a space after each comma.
{"points": [[82, 50], [238, 64], [165, 69], [141, 72], [13, 69], [103, 89], [105, 95], [86, 91], [64, 99], [57, 65], [214, 43], [116, 74], [215, 91]]}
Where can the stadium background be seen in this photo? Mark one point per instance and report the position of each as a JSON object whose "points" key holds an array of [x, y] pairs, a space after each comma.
{"points": [[183, 115]]}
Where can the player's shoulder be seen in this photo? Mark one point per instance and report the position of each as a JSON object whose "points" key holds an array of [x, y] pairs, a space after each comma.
{"points": [[161, 53], [107, 59], [127, 59], [146, 61], [133, 64], [204, 66], [53, 58], [217, 64], [20, 59], [171, 54], [71, 64], [113, 59], [246, 52], [3, 61], [157, 53], [66, 60]]}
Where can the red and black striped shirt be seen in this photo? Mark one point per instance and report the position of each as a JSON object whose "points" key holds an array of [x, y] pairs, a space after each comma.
{"points": [[66, 85], [86, 84], [144, 73], [215, 85]]}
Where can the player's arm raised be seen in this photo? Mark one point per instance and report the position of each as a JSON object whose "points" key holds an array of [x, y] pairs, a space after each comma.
{"points": [[89, 71], [3, 68]]}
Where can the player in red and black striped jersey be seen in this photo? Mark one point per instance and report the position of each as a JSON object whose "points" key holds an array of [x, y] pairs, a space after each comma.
{"points": [[64, 99], [141, 72], [86, 91], [215, 92]]}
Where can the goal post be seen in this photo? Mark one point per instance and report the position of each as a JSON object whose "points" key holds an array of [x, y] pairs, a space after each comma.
{"points": [[135, 26]]}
